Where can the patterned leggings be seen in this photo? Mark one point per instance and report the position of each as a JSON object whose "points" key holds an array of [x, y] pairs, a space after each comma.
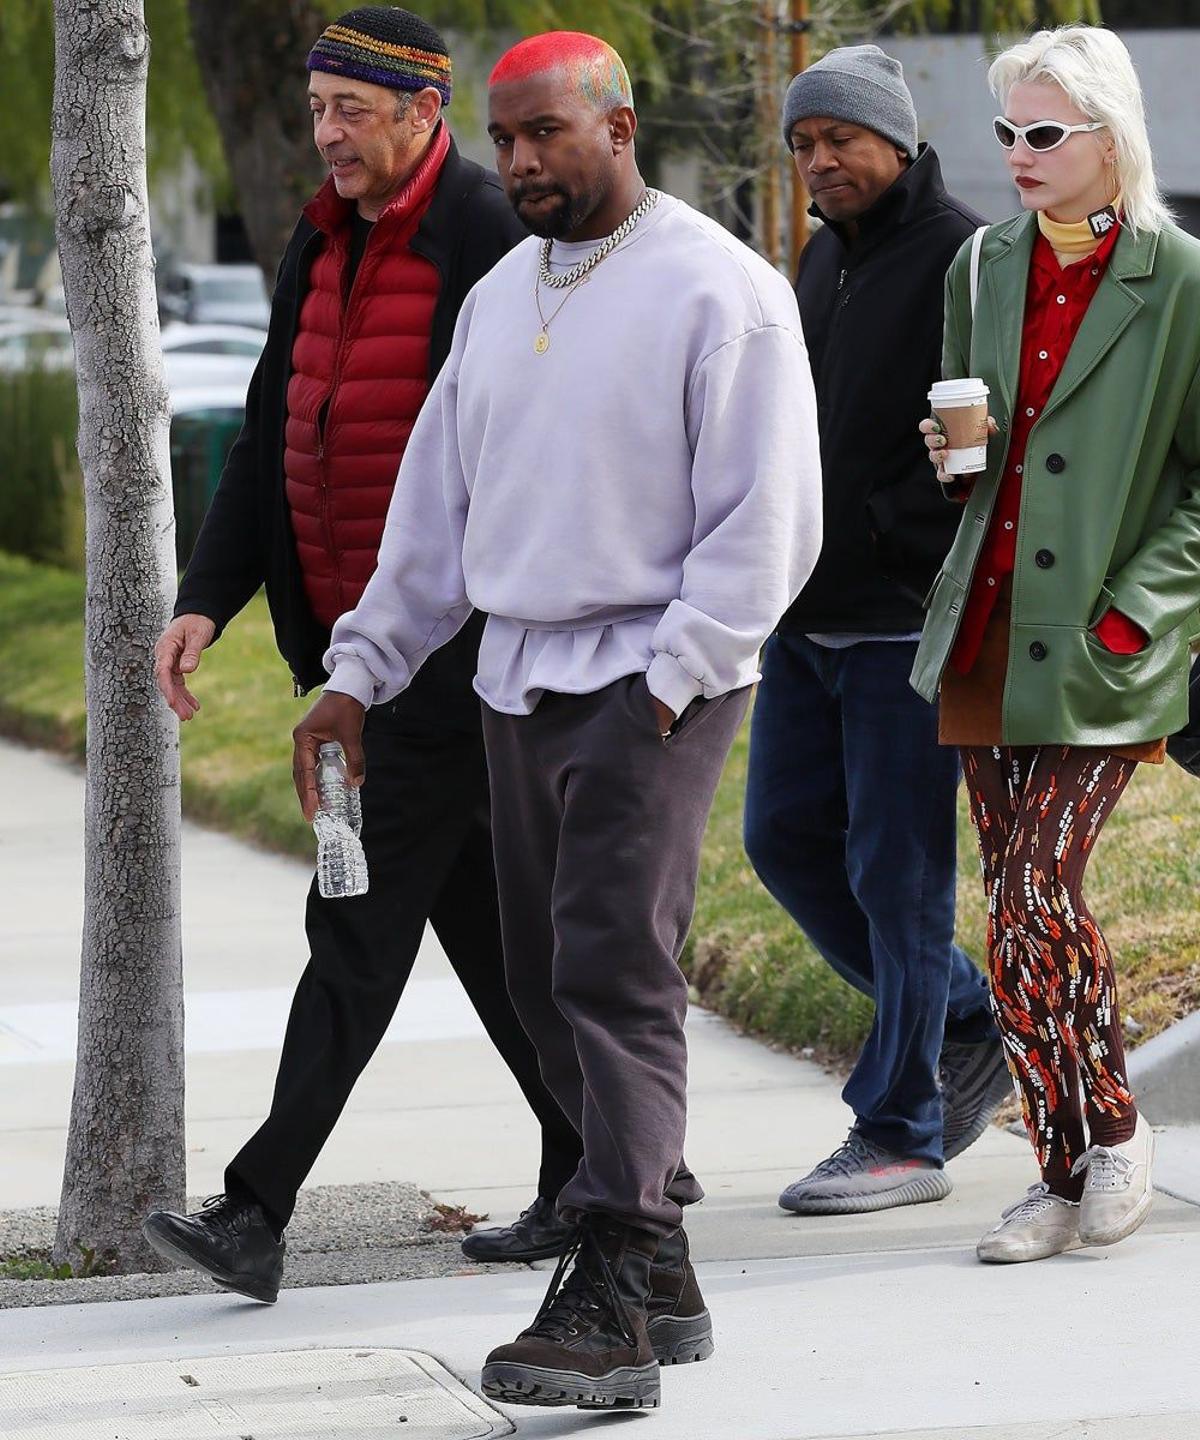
{"points": [[1038, 812]]}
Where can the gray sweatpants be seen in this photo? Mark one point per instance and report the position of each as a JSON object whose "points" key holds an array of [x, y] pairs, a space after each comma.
{"points": [[597, 824]]}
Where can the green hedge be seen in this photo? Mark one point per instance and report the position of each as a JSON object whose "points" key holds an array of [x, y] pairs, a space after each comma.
{"points": [[41, 496]]}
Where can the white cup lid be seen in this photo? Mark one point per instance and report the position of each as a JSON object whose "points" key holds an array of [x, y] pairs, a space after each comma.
{"points": [[958, 392]]}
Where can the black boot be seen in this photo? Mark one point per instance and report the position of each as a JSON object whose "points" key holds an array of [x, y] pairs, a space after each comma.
{"points": [[229, 1240], [588, 1344], [677, 1319], [539, 1234]]}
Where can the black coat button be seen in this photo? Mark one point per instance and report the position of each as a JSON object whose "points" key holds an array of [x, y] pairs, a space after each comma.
{"points": [[1037, 651], [1055, 464], [1044, 559]]}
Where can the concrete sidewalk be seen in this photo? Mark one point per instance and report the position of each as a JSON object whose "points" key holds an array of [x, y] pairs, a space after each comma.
{"points": [[891, 1344], [880, 1324]]}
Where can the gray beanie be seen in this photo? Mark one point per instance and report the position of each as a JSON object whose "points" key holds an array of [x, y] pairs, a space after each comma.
{"points": [[858, 84]]}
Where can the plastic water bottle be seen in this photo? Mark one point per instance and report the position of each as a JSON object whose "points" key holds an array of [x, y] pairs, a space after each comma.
{"points": [[341, 864]]}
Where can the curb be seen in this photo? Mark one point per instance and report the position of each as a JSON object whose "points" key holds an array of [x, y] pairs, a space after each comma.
{"points": [[1164, 1074]]}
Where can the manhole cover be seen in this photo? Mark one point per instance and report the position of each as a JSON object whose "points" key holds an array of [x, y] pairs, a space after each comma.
{"points": [[286, 1395]]}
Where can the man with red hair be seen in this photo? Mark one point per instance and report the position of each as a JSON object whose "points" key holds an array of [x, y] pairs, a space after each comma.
{"points": [[619, 466]]}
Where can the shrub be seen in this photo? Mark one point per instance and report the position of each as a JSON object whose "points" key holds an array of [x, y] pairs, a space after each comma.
{"points": [[41, 491]]}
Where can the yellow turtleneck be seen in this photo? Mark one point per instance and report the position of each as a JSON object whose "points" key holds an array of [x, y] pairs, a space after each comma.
{"points": [[1070, 241]]}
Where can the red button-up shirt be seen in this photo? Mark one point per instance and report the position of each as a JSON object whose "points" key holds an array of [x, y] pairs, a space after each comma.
{"points": [[1055, 304]]}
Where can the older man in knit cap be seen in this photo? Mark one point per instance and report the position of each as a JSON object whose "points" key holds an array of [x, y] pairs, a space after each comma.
{"points": [[364, 309], [850, 804]]}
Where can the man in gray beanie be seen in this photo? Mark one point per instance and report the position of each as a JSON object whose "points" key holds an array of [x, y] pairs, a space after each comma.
{"points": [[850, 801], [858, 84]]}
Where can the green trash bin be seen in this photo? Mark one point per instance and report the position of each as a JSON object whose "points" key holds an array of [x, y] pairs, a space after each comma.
{"points": [[203, 428]]}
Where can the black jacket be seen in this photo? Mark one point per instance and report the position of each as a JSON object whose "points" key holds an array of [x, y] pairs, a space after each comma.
{"points": [[246, 539], [1184, 748], [872, 317]]}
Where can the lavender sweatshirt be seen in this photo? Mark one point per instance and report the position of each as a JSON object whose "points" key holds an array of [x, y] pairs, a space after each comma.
{"points": [[643, 497]]}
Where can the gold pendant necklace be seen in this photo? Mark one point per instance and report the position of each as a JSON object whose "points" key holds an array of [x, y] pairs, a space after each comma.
{"points": [[541, 341]]}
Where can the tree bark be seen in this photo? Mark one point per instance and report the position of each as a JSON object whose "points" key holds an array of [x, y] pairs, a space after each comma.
{"points": [[251, 56], [125, 1148]]}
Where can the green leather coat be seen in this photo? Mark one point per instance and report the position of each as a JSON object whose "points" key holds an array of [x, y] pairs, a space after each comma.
{"points": [[1110, 503]]}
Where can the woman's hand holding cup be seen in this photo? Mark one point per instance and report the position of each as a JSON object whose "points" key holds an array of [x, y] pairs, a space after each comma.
{"points": [[957, 433]]}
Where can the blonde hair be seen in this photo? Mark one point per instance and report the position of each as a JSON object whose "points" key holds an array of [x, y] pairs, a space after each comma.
{"points": [[1095, 70]]}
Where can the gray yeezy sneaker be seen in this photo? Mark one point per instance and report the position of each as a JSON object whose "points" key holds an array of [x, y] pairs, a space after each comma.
{"points": [[974, 1082], [861, 1176]]}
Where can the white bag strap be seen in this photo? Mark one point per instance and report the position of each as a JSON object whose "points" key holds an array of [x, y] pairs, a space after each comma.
{"points": [[976, 247]]}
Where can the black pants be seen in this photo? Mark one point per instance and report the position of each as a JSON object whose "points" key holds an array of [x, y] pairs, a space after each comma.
{"points": [[598, 826], [429, 853]]}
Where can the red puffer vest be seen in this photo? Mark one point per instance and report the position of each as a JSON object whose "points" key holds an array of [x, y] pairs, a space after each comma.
{"points": [[360, 373]]}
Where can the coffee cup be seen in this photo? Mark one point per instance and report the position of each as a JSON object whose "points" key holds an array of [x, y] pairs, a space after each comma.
{"points": [[961, 408]]}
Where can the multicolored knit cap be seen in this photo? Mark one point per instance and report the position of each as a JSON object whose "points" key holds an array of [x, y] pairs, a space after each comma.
{"points": [[385, 45]]}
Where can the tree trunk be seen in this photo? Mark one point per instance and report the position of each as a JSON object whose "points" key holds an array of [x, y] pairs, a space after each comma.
{"points": [[125, 1150], [251, 56]]}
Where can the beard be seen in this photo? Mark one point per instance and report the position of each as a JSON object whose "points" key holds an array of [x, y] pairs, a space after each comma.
{"points": [[556, 220]]}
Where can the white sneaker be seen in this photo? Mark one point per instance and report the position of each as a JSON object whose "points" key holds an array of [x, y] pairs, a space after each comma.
{"points": [[1117, 1196], [1039, 1225]]}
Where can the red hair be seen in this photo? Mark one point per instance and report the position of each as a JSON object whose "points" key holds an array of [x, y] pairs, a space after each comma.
{"points": [[596, 67]]}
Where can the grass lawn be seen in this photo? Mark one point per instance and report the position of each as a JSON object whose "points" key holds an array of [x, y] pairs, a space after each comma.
{"points": [[745, 957], [236, 754], [747, 960]]}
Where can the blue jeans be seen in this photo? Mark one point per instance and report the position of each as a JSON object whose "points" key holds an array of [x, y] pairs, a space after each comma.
{"points": [[850, 824]]}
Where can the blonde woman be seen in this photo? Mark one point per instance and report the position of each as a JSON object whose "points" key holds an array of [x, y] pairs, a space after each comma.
{"points": [[1056, 640]]}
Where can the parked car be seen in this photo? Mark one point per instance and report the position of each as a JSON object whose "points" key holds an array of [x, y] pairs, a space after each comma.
{"points": [[14, 312], [242, 340], [194, 355], [215, 294], [210, 355], [35, 340]]}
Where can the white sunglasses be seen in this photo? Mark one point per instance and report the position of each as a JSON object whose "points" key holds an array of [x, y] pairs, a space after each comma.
{"points": [[1041, 136]]}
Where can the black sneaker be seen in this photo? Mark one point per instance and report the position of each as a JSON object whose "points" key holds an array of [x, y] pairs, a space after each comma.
{"points": [[975, 1082], [229, 1240], [588, 1344], [677, 1319], [539, 1234], [861, 1176]]}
